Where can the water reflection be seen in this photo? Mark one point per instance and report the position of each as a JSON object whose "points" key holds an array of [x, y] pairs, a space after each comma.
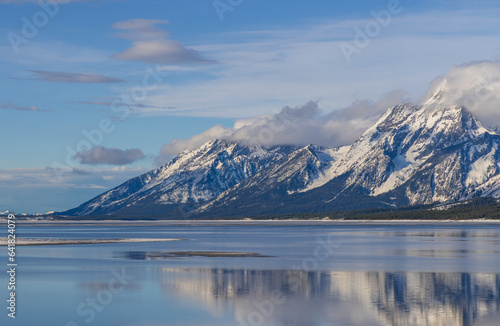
{"points": [[455, 235], [271, 297]]}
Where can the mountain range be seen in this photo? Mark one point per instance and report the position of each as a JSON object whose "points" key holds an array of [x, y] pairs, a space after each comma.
{"points": [[428, 154]]}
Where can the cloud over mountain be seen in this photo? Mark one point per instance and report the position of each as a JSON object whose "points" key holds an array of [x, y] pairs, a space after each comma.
{"points": [[475, 86], [300, 125]]}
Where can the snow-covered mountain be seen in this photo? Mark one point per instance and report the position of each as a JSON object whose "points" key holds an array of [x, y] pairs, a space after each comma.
{"points": [[190, 178], [428, 154]]}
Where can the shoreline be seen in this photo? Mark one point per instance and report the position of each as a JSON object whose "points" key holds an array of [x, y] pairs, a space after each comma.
{"points": [[248, 222]]}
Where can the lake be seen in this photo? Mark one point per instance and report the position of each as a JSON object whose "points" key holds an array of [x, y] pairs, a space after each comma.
{"points": [[308, 274]]}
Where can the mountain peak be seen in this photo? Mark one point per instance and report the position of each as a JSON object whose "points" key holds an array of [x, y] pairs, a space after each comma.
{"points": [[432, 153]]}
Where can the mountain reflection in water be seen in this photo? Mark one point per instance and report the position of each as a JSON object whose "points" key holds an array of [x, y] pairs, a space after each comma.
{"points": [[276, 297]]}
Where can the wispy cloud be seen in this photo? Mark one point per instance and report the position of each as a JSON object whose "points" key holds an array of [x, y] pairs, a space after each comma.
{"points": [[475, 86], [57, 56], [101, 103], [71, 77], [26, 178], [152, 45], [119, 103], [13, 106], [264, 69], [141, 29], [109, 156], [46, 192]]}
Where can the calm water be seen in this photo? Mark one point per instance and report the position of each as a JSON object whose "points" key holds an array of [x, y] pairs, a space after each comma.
{"points": [[377, 274]]}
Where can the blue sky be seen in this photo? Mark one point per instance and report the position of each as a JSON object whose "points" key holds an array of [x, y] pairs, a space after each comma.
{"points": [[144, 78]]}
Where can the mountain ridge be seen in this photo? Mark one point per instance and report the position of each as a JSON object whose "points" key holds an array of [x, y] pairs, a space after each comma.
{"points": [[413, 155]]}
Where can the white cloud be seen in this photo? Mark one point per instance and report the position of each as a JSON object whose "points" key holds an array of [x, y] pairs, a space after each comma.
{"points": [[308, 124], [301, 125], [178, 145], [141, 28], [475, 86], [261, 70], [151, 45], [161, 51]]}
